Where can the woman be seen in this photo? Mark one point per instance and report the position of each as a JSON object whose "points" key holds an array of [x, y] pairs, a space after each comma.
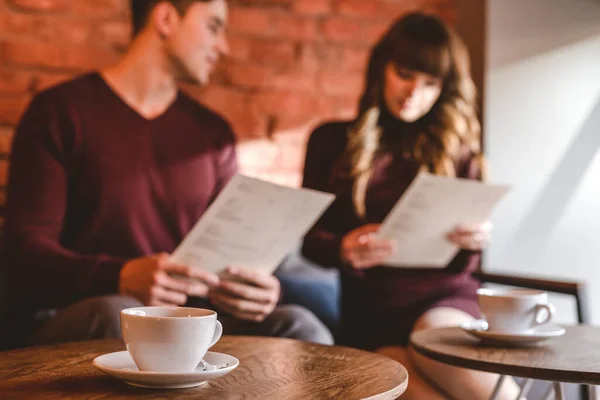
{"points": [[417, 112]]}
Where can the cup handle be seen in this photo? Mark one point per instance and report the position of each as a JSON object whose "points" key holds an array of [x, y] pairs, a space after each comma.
{"points": [[217, 335], [550, 311]]}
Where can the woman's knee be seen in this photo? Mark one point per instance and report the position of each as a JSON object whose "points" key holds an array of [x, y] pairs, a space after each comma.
{"points": [[441, 317]]}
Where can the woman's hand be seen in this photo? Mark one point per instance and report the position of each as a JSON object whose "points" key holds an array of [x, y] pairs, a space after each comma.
{"points": [[474, 237], [361, 248]]}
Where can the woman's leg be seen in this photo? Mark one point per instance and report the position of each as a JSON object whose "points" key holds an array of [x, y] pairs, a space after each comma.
{"points": [[418, 388], [459, 383]]}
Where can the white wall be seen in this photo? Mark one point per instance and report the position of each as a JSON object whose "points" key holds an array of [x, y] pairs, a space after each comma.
{"points": [[542, 135]]}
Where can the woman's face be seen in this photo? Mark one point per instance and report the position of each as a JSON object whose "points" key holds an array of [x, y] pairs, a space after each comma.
{"points": [[410, 94]]}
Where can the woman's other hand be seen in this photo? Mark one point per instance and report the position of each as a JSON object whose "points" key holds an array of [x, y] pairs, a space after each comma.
{"points": [[474, 236], [362, 248]]}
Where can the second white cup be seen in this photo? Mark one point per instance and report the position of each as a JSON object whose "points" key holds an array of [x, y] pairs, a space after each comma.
{"points": [[169, 339], [514, 310]]}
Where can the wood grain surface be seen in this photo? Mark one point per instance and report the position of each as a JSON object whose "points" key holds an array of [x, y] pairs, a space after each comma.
{"points": [[573, 357], [269, 369]]}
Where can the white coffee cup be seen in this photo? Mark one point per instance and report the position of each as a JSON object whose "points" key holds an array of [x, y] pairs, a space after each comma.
{"points": [[169, 339], [514, 310]]}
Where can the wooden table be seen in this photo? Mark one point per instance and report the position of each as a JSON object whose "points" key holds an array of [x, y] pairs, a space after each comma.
{"points": [[573, 357], [269, 369]]}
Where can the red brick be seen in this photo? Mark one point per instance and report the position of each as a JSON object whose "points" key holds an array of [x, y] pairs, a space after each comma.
{"points": [[296, 27], [40, 5], [113, 33], [358, 8], [65, 31], [45, 80], [296, 80], [45, 27], [346, 107], [6, 137], [312, 7], [15, 82], [391, 10], [295, 63], [35, 53], [446, 10], [315, 56], [100, 8], [278, 3], [249, 21], [342, 30], [274, 102], [11, 108], [439, 5], [235, 106], [4, 167], [265, 77], [355, 58], [19, 24], [247, 75], [293, 109], [50, 28], [15, 24], [5, 130], [240, 47], [340, 83], [375, 30], [271, 23], [263, 51]]}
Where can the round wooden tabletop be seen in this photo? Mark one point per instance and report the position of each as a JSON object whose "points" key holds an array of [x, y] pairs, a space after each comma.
{"points": [[573, 357], [269, 369]]}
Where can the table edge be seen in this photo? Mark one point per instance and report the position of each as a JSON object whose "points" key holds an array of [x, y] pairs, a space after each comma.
{"points": [[518, 371], [394, 393]]}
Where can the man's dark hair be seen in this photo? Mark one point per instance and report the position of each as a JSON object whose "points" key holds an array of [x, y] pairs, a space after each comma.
{"points": [[141, 9]]}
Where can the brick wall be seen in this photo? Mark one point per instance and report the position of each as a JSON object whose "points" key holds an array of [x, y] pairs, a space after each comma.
{"points": [[294, 63]]}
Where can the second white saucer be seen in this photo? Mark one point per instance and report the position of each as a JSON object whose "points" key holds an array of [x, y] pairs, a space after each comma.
{"points": [[120, 365], [479, 329]]}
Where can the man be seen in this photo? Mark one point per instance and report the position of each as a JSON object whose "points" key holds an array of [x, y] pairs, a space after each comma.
{"points": [[110, 171]]}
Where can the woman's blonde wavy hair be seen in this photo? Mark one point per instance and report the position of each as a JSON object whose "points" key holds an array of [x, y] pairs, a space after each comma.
{"points": [[424, 43]]}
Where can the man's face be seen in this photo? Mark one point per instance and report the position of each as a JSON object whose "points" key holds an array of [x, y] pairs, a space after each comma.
{"points": [[197, 40]]}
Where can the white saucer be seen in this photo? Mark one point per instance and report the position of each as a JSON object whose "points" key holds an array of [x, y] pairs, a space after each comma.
{"points": [[121, 366], [479, 329]]}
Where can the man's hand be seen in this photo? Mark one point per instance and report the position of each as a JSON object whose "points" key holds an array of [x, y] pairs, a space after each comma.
{"points": [[150, 280], [246, 293], [361, 248]]}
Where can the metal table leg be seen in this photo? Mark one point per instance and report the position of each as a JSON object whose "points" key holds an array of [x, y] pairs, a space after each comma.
{"points": [[558, 391], [497, 388], [525, 388], [555, 390], [593, 392], [549, 393]]}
